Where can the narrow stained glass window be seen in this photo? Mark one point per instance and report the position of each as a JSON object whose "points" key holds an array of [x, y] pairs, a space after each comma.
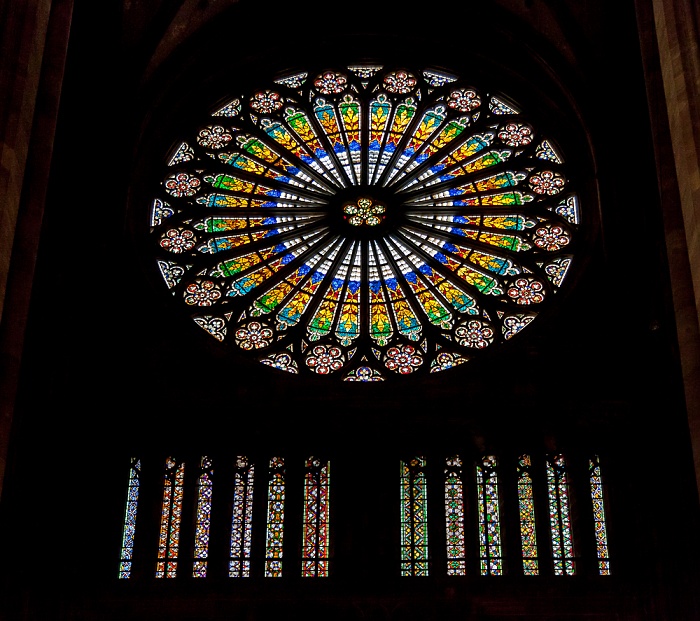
{"points": [[316, 526], [414, 518], [490, 552], [242, 519], [526, 505], [559, 517], [132, 499], [601, 531], [454, 517], [201, 534], [275, 519], [171, 516]]}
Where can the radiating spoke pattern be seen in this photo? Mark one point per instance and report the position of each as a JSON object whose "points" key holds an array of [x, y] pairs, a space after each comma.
{"points": [[364, 223]]}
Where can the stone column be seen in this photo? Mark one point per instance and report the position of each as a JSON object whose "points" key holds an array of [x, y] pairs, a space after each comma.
{"points": [[669, 38], [35, 38]]}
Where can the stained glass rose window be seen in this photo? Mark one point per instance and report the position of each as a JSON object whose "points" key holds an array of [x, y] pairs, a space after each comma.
{"points": [[364, 223]]}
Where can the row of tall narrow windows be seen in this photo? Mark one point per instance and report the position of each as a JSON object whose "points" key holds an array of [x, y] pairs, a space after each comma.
{"points": [[482, 478]]}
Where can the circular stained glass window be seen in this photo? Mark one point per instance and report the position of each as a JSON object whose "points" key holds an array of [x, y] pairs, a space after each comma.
{"points": [[365, 223]]}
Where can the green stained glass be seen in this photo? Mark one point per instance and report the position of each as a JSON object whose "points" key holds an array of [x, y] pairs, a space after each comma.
{"points": [[526, 505], [560, 517], [363, 210], [454, 517], [381, 326], [414, 518], [488, 506], [129, 530], [431, 121], [428, 300]]}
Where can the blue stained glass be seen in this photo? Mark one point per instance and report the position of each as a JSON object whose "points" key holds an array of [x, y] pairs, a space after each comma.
{"points": [[129, 532]]}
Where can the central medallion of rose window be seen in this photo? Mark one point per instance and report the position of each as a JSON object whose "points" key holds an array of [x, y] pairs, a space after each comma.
{"points": [[364, 212], [364, 223]]}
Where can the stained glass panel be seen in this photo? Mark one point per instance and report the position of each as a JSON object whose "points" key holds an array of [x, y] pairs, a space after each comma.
{"points": [[274, 538], [414, 518], [560, 517], [488, 503], [203, 519], [526, 505], [314, 518], [241, 519], [454, 517], [129, 531], [357, 222], [171, 517], [601, 529], [316, 521]]}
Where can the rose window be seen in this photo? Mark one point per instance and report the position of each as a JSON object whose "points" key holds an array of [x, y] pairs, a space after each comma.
{"points": [[364, 223]]}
